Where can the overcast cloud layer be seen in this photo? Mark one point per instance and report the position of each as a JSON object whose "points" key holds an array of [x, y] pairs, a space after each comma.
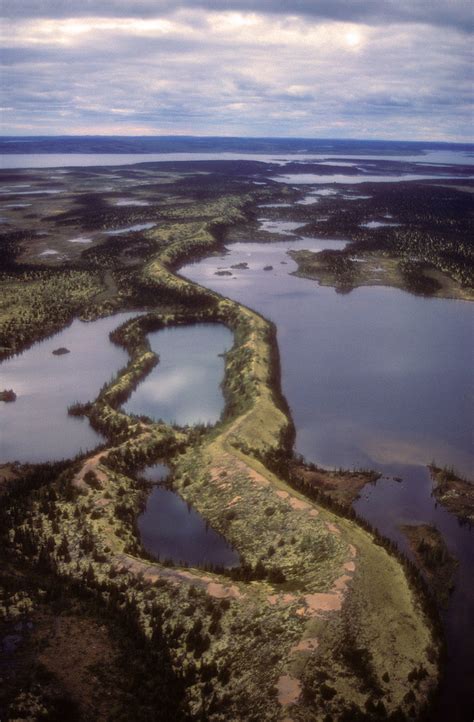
{"points": [[336, 68]]}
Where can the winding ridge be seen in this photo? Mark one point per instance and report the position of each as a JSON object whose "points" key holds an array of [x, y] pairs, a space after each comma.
{"points": [[319, 619]]}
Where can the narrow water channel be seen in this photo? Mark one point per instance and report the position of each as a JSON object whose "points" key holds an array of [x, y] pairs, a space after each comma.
{"points": [[184, 388], [379, 379]]}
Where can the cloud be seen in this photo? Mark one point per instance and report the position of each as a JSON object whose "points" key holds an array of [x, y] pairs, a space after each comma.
{"points": [[196, 70], [452, 13]]}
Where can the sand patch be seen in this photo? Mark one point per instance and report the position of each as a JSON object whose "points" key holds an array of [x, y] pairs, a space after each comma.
{"points": [[90, 465], [152, 572], [285, 599], [349, 567], [341, 583], [298, 504], [219, 591], [102, 502], [332, 527], [306, 645], [323, 602], [288, 689], [329, 601], [255, 476]]}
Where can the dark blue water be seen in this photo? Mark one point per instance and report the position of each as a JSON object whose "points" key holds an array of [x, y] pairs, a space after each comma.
{"points": [[171, 529]]}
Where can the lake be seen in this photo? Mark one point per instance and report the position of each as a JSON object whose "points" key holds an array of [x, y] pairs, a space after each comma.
{"points": [[9, 161], [184, 388], [384, 377], [37, 427]]}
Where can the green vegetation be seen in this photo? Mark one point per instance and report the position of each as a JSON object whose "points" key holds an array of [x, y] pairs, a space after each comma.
{"points": [[72, 657], [38, 303]]}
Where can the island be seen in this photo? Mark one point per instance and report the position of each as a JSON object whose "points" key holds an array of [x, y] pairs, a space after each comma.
{"points": [[438, 565], [7, 395], [412, 247], [454, 493]]}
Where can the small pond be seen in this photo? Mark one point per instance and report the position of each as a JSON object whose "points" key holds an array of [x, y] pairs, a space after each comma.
{"points": [[171, 529]]}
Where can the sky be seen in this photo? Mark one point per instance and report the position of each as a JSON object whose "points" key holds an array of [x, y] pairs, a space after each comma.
{"points": [[389, 69]]}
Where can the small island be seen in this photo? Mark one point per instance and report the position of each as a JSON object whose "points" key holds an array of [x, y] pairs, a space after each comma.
{"points": [[454, 493], [61, 351], [7, 395], [268, 268], [437, 565], [241, 266], [341, 487], [223, 273]]}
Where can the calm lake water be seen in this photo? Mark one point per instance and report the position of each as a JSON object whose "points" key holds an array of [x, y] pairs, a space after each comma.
{"points": [[37, 427], [61, 160], [184, 388], [380, 379], [384, 377], [309, 178], [171, 529]]}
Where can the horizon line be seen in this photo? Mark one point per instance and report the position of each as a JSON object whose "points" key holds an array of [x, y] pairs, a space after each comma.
{"points": [[236, 137]]}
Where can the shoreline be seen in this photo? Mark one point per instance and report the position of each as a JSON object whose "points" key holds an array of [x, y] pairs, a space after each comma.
{"points": [[437, 565], [374, 270]]}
